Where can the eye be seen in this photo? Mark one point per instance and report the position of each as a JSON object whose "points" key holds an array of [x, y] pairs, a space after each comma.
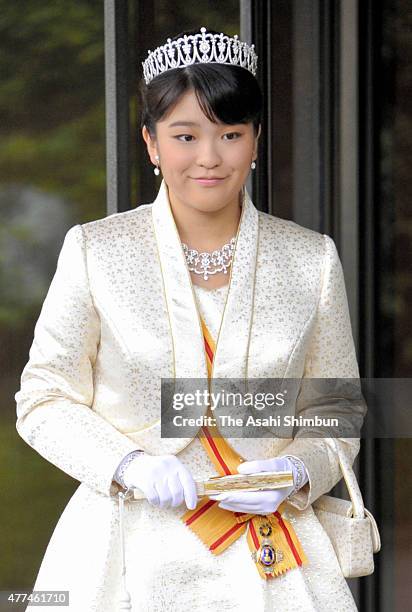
{"points": [[230, 135], [238, 134], [182, 135]]}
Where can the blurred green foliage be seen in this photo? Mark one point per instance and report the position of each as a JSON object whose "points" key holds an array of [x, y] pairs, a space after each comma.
{"points": [[52, 100]]}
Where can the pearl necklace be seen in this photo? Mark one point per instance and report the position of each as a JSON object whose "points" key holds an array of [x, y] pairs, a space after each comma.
{"points": [[210, 263]]}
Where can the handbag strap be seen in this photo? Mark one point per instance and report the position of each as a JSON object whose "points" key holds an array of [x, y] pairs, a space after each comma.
{"points": [[358, 508]]}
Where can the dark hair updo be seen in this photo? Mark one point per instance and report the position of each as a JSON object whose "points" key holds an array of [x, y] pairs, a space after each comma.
{"points": [[226, 93]]}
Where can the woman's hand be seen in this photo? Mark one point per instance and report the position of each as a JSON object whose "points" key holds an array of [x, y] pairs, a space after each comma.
{"points": [[262, 502], [163, 479]]}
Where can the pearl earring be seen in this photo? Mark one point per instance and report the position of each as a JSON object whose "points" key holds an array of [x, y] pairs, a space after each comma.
{"points": [[156, 170], [253, 165]]}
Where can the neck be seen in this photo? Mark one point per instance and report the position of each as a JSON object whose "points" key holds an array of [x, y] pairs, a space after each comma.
{"points": [[206, 230]]}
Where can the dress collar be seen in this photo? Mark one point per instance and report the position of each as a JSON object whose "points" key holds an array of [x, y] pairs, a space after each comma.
{"points": [[232, 342]]}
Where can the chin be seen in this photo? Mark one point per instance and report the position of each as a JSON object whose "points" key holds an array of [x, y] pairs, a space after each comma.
{"points": [[207, 206]]}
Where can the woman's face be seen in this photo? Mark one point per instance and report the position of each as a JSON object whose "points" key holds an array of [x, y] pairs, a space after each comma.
{"points": [[190, 146]]}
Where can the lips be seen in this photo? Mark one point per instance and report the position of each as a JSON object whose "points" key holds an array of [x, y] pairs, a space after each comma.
{"points": [[209, 182]]}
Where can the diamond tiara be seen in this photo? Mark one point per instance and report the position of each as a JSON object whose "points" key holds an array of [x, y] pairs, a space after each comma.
{"points": [[204, 48]]}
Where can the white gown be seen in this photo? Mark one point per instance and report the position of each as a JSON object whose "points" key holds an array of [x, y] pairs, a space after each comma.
{"points": [[199, 580]]}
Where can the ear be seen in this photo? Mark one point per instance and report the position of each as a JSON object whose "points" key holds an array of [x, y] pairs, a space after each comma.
{"points": [[151, 145]]}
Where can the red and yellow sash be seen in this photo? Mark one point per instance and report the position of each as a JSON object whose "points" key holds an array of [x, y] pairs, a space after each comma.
{"points": [[272, 540]]}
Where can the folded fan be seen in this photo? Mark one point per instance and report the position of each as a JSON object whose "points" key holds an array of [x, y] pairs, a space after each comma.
{"points": [[258, 481]]}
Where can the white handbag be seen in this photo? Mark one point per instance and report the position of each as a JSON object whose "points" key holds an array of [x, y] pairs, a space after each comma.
{"points": [[351, 528]]}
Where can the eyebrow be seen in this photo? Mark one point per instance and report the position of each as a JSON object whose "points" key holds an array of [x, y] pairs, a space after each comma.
{"points": [[187, 123], [183, 123]]}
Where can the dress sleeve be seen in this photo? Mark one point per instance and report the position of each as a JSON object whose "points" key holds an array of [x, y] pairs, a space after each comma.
{"points": [[54, 413], [331, 354]]}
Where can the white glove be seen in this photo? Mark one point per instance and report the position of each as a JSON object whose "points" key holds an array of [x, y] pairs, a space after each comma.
{"points": [[263, 502], [163, 479]]}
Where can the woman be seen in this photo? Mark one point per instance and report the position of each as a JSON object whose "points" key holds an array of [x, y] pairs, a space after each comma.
{"points": [[130, 304]]}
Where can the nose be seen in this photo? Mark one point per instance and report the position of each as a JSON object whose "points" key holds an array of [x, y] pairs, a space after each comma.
{"points": [[208, 156]]}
